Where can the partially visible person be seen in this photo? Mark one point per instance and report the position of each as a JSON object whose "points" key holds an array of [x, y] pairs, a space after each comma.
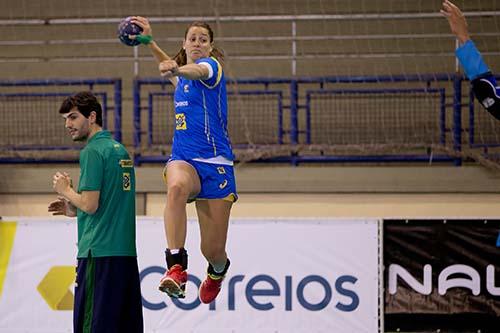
{"points": [[201, 165], [483, 82], [107, 290]]}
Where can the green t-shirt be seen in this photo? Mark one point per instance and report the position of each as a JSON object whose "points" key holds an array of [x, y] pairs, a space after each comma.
{"points": [[105, 166]]}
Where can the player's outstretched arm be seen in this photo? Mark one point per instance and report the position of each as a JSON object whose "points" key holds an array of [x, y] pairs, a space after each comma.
{"points": [[193, 71], [457, 21], [468, 55], [484, 85], [146, 37]]}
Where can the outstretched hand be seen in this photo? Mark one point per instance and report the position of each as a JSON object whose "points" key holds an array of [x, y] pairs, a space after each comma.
{"points": [[456, 19]]}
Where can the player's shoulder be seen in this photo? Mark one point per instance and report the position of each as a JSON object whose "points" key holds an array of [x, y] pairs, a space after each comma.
{"points": [[215, 72], [212, 61], [89, 149]]}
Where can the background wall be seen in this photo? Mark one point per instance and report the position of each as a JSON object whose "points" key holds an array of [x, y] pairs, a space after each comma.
{"points": [[337, 191], [262, 38]]}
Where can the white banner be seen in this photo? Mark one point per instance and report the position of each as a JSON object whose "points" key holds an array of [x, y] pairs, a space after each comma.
{"points": [[286, 275]]}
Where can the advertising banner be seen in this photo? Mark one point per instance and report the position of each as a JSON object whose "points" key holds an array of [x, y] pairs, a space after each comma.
{"points": [[442, 274], [286, 275]]}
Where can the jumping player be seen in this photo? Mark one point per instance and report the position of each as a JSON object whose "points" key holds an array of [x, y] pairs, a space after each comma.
{"points": [[200, 167]]}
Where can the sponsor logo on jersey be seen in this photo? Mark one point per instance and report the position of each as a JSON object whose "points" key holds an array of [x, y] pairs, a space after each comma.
{"points": [[180, 121], [126, 181], [181, 104], [126, 163], [487, 102]]}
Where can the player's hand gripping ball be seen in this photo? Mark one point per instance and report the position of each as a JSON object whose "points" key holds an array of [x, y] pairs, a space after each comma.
{"points": [[126, 28]]}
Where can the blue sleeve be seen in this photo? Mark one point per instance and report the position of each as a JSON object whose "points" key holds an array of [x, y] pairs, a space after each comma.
{"points": [[471, 60], [216, 70]]}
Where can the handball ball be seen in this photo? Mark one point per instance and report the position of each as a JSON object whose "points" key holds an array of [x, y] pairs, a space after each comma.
{"points": [[126, 28]]}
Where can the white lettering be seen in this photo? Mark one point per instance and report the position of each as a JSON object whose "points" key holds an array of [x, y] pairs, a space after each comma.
{"points": [[396, 271], [490, 281], [473, 284], [181, 104], [487, 102]]}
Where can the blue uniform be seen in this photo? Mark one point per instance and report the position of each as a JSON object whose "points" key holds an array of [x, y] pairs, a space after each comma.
{"points": [[201, 137], [484, 84], [201, 116]]}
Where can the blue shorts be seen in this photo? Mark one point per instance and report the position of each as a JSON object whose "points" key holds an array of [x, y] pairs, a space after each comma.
{"points": [[107, 296], [217, 180]]}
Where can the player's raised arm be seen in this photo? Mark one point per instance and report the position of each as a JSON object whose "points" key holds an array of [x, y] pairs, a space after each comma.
{"points": [[135, 30], [169, 69], [457, 21], [484, 85], [146, 37]]}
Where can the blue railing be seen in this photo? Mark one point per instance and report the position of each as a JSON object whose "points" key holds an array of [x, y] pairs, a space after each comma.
{"points": [[41, 98], [281, 112], [393, 92], [295, 98]]}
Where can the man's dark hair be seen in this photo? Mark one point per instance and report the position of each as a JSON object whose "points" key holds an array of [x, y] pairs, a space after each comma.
{"points": [[85, 102]]}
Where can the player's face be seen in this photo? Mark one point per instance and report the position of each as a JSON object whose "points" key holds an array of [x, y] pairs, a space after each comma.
{"points": [[77, 125], [197, 43]]}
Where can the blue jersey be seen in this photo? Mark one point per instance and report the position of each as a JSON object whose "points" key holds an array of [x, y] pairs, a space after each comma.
{"points": [[201, 116]]}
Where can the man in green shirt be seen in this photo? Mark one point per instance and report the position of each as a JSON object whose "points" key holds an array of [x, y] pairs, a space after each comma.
{"points": [[107, 292]]}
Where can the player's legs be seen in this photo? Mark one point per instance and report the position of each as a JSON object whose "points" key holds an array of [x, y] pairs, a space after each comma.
{"points": [[117, 303], [213, 216], [79, 308], [182, 183]]}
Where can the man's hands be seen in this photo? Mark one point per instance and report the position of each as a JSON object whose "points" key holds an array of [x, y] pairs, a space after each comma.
{"points": [[457, 21], [62, 206], [61, 183]]}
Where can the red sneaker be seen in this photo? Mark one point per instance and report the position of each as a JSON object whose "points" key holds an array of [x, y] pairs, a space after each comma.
{"points": [[174, 282], [210, 288]]}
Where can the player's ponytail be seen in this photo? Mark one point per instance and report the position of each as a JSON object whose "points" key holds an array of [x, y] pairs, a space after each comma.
{"points": [[181, 58]]}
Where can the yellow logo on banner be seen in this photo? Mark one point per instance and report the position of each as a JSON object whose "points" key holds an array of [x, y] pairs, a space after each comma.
{"points": [[7, 234], [54, 287]]}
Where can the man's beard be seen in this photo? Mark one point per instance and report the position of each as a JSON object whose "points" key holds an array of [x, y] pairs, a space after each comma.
{"points": [[81, 138]]}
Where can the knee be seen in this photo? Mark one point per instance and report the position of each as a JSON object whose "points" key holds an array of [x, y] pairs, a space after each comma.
{"points": [[177, 191]]}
